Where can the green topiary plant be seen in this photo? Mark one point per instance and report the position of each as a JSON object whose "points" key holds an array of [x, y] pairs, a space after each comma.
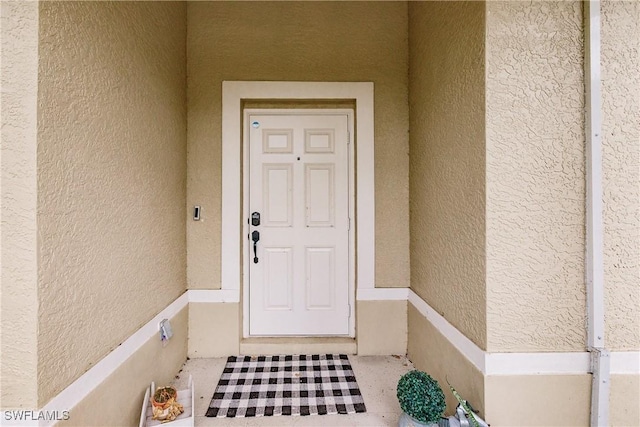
{"points": [[421, 397]]}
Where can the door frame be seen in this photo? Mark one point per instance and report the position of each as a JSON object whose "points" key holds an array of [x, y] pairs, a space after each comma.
{"points": [[247, 246], [233, 95]]}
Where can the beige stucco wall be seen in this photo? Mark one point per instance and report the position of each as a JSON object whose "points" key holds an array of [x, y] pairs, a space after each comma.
{"points": [[624, 409], [433, 353], [538, 400], [554, 400], [381, 327], [126, 386], [535, 177], [446, 93], [621, 171], [305, 41], [214, 329], [18, 190], [111, 177]]}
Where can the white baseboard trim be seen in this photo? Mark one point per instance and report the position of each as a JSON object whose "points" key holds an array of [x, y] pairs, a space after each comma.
{"points": [[625, 362], [551, 363], [622, 363], [377, 294], [90, 380], [565, 363], [463, 344], [362, 294], [68, 398], [214, 295]]}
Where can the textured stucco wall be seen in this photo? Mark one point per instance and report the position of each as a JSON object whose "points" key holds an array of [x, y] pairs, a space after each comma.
{"points": [[447, 114], [18, 188], [111, 177], [535, 177], [304, 41], [620, 69]]}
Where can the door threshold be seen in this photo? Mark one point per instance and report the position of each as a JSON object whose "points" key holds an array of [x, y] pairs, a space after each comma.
{"points": [[297, 345]]}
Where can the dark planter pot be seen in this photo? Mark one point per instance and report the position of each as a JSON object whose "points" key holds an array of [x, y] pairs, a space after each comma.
{"points": [[406, 421]]}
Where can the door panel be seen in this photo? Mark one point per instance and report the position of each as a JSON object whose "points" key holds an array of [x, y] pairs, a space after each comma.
{"points": [[278, 195], [299, 183], [278, 265], [319, 195], [319, 140], [277, 141], [320, 278]]}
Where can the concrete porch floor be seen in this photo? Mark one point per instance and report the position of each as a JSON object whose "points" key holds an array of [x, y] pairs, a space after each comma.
{"points": [[377, 378]]}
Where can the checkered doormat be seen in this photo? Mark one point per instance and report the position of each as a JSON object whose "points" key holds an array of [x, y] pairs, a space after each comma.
{"points": [[286, 385]]}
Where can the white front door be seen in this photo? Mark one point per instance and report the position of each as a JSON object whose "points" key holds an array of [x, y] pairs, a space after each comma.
{"points": [[299, 224]]}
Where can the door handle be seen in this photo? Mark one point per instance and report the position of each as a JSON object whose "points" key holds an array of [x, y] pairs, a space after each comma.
{"points": [[255, 236]]}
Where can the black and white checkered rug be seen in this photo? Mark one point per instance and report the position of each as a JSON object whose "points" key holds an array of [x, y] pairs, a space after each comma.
{"points": [[286, 385]]}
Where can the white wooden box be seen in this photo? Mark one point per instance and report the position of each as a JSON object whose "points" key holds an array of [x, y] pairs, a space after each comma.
{"points": [[185, 398]]}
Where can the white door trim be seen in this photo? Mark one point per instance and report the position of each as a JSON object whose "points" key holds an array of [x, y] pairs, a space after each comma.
{"points": [[233, 92], [246, 211]]}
